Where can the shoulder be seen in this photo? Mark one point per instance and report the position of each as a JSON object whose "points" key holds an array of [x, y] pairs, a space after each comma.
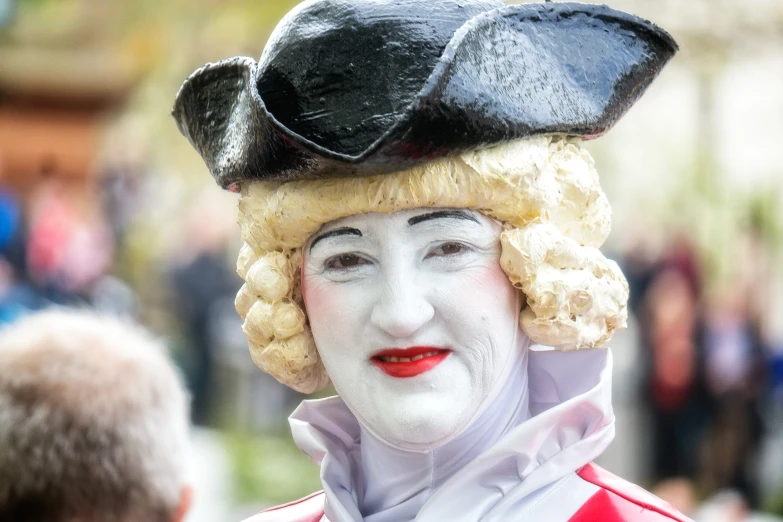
{"points": [[620, 501], [308, 509]]}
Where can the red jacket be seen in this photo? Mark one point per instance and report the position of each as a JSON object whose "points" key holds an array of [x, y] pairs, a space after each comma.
{"points": [[616, 501]]}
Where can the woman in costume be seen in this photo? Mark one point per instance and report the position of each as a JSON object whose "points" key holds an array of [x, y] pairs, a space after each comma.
{"points": [[421, 228]]}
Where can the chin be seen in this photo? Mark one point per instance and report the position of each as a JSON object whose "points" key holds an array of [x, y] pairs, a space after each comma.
{"points": [[420, 426]]}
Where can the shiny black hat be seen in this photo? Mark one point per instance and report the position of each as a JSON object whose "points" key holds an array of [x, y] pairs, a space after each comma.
{"points": [[361, 87]]}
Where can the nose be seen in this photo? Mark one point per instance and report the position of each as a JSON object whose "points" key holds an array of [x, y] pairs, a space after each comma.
{"points": [[402, 308]]}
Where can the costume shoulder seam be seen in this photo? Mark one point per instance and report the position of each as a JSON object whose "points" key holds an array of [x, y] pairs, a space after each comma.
{"points": [[600, 477], [295, 502], [307, 509]]}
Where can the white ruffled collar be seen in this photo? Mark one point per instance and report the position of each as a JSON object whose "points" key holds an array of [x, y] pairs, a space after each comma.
{"points": [[512, 449]]}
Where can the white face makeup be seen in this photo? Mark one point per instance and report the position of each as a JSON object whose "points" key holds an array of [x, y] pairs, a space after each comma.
{"points": [[413, 317]]}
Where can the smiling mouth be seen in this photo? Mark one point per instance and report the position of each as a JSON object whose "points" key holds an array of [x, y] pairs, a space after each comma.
{"points": [[409, 362]]}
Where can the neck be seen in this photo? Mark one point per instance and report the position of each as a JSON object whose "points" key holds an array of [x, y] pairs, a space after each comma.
{"points": [[571, 423], [396, 483]]}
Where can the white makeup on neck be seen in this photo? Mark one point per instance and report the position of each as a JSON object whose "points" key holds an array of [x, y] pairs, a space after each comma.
{"points": [[413, 317]]}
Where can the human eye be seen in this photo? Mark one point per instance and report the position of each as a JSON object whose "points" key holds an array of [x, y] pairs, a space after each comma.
{"points": [[345, 262], [448, 249]]}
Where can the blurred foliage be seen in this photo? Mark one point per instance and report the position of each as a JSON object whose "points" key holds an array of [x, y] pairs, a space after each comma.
{"points": [[775, 505], [716, 215], [269, 469]]}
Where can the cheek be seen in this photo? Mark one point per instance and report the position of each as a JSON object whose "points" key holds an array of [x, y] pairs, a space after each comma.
{"points": [[317, 297], [481, 311], [497, 280], [333, 310], [487, 288]]}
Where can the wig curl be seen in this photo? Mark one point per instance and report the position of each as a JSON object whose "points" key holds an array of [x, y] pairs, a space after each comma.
{"points": [[545, 190]]}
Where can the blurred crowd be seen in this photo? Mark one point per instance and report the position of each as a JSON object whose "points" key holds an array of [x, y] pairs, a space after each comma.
{"points": [[54, 250], [712, 387], [64, 244]]}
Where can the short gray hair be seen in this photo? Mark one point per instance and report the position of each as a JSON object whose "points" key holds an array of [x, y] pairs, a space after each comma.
{"points": [[93, 421]]}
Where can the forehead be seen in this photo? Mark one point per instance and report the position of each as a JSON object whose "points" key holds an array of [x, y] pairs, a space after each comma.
{"points": [[401, 218]]}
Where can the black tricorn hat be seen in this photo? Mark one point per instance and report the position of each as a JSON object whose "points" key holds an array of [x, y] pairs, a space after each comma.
{"points": [[361, 87]]}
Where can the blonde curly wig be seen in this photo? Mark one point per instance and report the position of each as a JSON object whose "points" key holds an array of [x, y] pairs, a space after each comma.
{"points": [[545, 190]]}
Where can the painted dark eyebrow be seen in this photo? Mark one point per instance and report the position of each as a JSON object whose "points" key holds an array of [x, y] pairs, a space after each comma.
{"points": [[345, 231], [453, 214]]}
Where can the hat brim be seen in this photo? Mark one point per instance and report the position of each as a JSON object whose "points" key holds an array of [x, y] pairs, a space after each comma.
{"points": [[522, 70]]}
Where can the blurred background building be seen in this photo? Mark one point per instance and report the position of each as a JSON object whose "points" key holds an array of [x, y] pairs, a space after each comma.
{"points": [[104, 204]]}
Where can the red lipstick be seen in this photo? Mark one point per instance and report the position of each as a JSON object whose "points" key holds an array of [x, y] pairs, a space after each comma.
{"points": [[409, 362]]}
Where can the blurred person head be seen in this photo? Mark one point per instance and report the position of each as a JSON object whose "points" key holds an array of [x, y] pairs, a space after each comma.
{"points": [[679, 492], [671, 299], [209, 223], [93, 423]]}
